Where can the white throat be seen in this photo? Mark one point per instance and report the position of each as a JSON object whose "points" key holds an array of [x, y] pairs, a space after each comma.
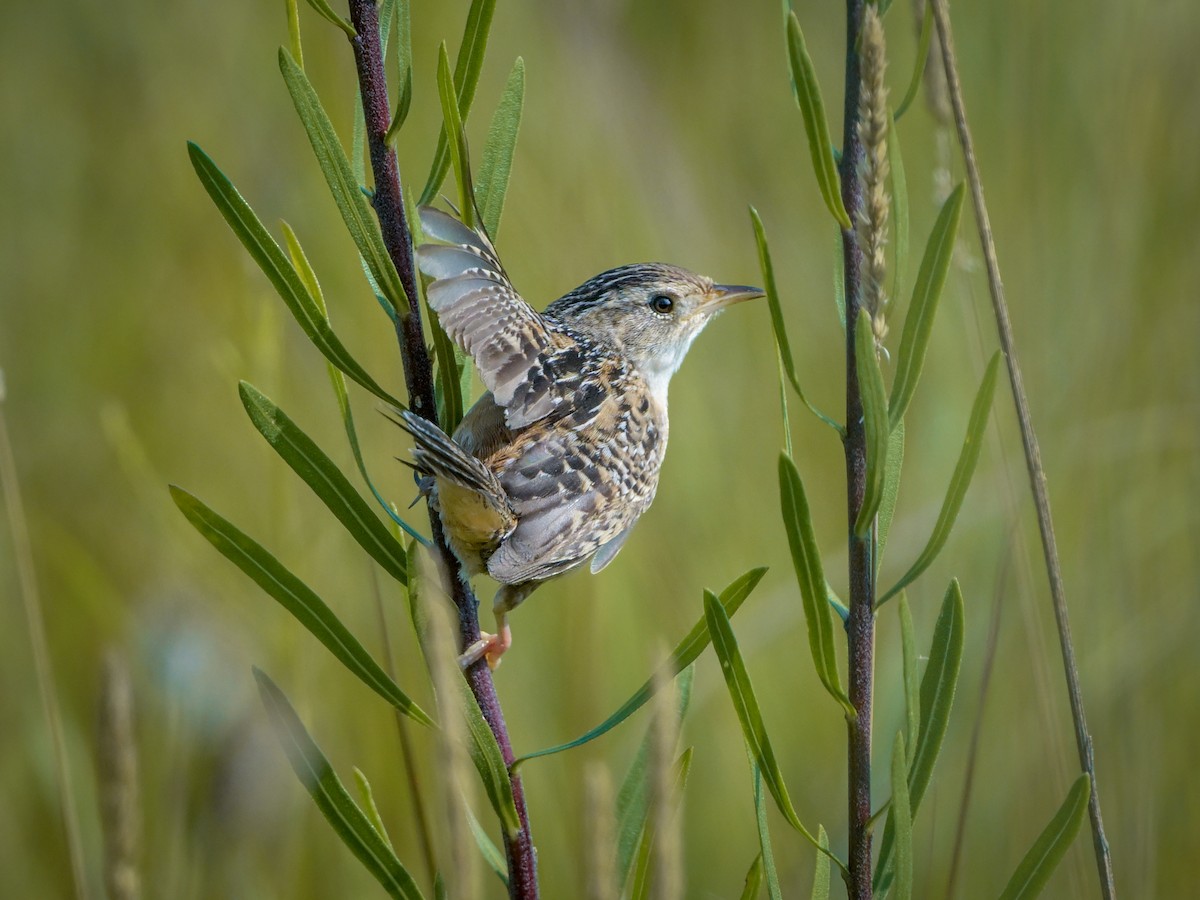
{"points": [[658, 369]]}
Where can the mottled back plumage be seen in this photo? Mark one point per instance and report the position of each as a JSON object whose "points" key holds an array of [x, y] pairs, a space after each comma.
{"points": [[561, 457]]}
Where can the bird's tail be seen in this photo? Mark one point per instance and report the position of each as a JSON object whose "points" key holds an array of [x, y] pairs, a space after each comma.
{"points": [[436, 454]]}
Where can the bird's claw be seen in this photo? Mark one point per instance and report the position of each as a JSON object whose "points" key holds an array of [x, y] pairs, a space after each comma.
{"points": [[489, 646]]}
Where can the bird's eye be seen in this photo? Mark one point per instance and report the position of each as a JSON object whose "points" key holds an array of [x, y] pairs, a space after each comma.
{"points": [[662, 303]]}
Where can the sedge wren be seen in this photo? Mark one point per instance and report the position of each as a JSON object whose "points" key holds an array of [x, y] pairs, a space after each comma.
{"points": [[556, 462]]}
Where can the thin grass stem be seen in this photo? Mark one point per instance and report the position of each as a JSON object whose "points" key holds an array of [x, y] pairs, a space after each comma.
{"points": [[1033, 457]]}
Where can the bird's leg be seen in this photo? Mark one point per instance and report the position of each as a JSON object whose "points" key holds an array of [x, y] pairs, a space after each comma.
{"points": [[493, 646]]}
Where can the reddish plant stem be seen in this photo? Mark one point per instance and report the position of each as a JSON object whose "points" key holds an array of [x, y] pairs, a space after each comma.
{"points": [[388, 201], [860, 627]]}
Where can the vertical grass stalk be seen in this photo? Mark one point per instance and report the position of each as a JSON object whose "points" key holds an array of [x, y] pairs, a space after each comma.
{"points": [[1033, 456], [860, 626]]}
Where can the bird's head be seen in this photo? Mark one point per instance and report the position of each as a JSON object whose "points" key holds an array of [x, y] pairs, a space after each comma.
{"points": [[651, 311]]}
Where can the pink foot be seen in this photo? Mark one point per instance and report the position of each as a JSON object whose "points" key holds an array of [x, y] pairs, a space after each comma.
{"points": [[489, 646]]}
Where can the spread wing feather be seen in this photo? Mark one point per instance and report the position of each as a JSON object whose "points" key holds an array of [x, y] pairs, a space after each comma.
{"points": [[516, 350]]}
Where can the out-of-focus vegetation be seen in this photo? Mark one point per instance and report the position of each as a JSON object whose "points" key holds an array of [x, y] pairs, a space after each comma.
{"points": [[128, 312]]}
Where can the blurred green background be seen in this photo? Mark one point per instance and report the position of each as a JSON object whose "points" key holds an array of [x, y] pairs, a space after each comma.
{"points": [[128, 311]]}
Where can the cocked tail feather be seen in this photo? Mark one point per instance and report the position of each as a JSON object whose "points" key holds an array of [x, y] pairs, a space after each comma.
{"points": [[472, 502]]}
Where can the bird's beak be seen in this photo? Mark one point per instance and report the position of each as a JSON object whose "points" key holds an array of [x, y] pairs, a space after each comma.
{"points": [[723, 295]]}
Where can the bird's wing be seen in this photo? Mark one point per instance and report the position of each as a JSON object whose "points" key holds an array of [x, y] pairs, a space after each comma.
{"points": [[576, 490], [520, 356]]}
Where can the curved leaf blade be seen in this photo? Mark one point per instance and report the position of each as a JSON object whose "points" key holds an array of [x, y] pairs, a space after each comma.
{"points": [[331, 797], [633, 799], [918, 323], [900, 815], [453, 124], [914, 81], [496, 165], [283, 277], [685, 653], [487, 848], [820, 888], [964, 470], [777, 325], [891, 492], [912, 695], [335, 166], [937, 697], [899, 208], [810, 576], [1051, 845], [745, 705], [297, 598], [754, 880], [875, 420], [467, 66], [318, 471], [322, 8], [812, 109], [766, 854]]}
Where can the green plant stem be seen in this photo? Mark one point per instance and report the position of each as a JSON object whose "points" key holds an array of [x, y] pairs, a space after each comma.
{"points": [[44, 671], [388, 201], [1033, 456], [860, 626]]}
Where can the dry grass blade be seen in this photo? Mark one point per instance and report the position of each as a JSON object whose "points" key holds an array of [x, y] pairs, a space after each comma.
{"points": [[117, 781], [1033, 456], [23, 552]]}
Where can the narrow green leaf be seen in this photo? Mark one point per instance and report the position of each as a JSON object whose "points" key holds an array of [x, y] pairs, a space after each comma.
{"points": [[900, 817], [319, 472], [640, 880], [745, 704], [484, 751], [467, 66], [891, 491], [404, 37], [448, 381], [766, 854], [812, 109], [937, 691], [875, 420], [498, 151], [918, 73], [403, 105], [283, 277], [839, 277], [453, 124], [293, 20], [370, 810], [899, 209], [297, 598], [343, 399], [781, 338], [912, 696], [937, 697], [351, 203], [1051, 845], [685, 653], [491, 853], [820, 888], [305, 270], [918, 323], [754, 880], [810, 576], [633, 799], [964, 469], [324, 11], [332, 799]]}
